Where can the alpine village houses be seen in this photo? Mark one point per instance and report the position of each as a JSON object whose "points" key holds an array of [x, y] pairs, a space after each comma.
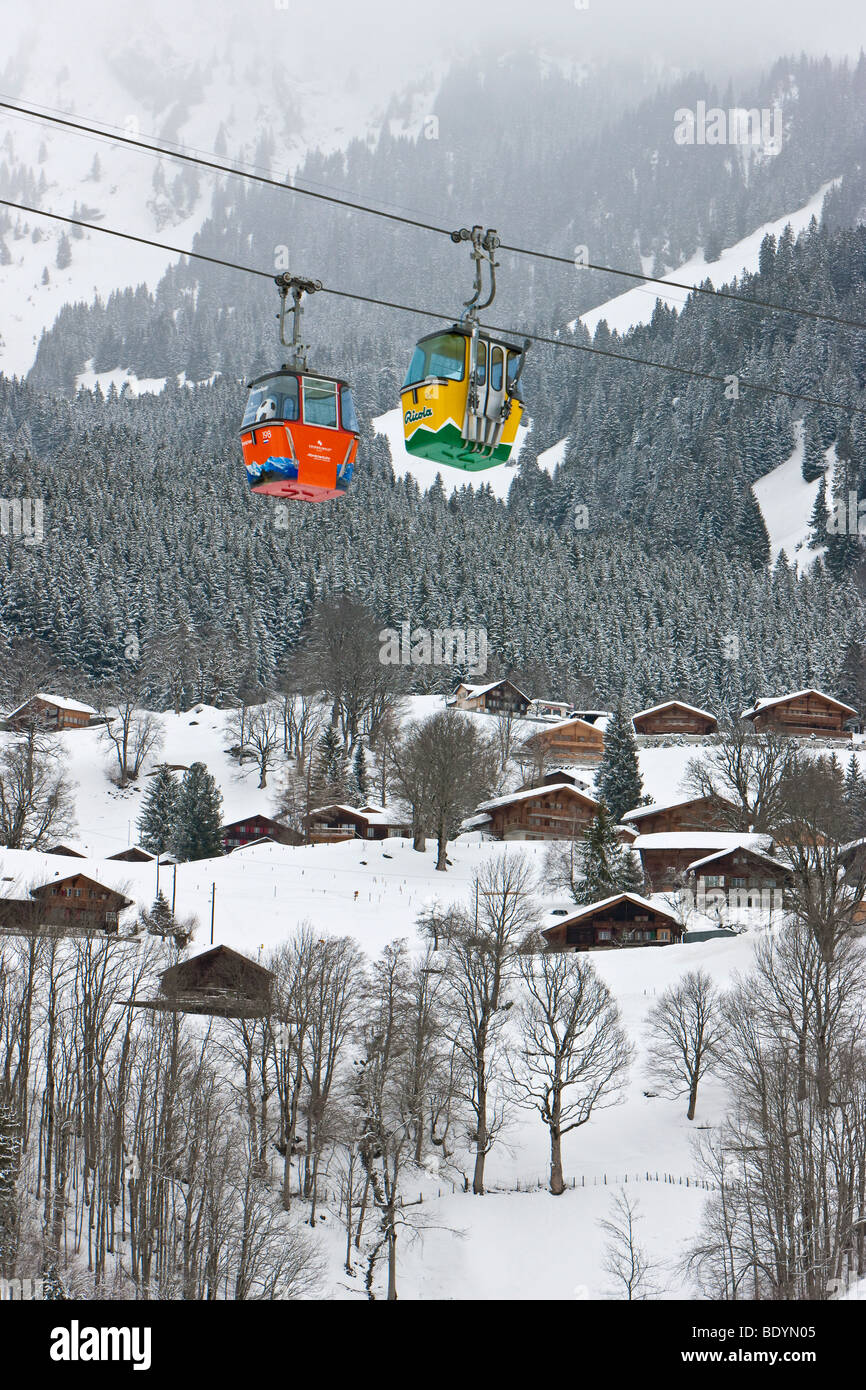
{"points": [[572, 741], [74, 906], [675, 717], [556, 811], [52, 712], [626, 919], [337, 822], [805, 712], [499, 697]]}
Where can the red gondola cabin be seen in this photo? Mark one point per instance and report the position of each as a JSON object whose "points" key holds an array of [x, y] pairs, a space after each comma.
{"points": [[299, 436]]}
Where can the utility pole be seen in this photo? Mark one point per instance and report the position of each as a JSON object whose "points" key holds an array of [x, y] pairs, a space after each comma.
{"points": [[173, 889], [212, 906]]}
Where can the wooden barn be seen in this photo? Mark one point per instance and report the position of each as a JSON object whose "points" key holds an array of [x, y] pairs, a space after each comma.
{"points": [[666, 858], [52, 712], [805, 712], [499, 697], [257, 827], [77, 905], [696, 813], [557, 811], [674, 717], [573, 741], [219, 981], [626, 919], [331, 824], [134, 855], [740, 878], [66, 850]]}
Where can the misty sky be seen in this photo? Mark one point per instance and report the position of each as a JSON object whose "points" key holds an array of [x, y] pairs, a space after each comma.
{"points": [[401, 37]]}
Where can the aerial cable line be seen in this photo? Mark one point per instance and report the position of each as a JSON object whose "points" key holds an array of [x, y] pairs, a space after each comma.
{"points": [[726, 381], [711, 291]]}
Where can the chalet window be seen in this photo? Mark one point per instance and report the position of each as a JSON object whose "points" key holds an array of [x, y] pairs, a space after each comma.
{"points": [[738, 883], [370, 833], [604, 934], [714, 881]]}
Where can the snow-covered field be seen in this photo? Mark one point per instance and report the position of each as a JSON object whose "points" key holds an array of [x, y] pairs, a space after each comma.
{"points": [[510, 1244]]}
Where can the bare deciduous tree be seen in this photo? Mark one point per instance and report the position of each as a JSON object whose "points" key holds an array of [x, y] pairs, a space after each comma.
{"points": [[685, 1031], [573, 1055], [743, 775], [624, 1259], [35, 797], [482, 949], [443, 766]]}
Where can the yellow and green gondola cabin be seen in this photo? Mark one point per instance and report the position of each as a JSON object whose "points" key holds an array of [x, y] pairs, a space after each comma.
{"points": [[439, 422]]}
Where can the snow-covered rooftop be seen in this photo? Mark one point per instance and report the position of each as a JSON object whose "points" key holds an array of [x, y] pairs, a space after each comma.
{"points": [[703, 839], [60, 702], [592, 908], [536, 791], [794, 695], [722, 853], [671, 704]]}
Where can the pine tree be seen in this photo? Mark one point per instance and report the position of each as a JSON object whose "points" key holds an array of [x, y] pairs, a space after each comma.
{"points": [[64, 252], [159, 921], [158, 809], [197, 823], [855, 797], [329, 774], [818, 519], [359, 773], [619, 782], [608, 866]]}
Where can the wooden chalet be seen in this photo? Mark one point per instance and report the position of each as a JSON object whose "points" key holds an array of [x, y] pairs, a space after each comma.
{"points": [[666, 858], [740, 878], [75, 906], [134, 855], [805, 712], [572, 741], [626, 919], [53, 712], [696, 813], [219, 981], [549, 709], [555, 774], [331, 824], [674, 717], [499, 697], [257, 827], [67, 850], [557, 811]]}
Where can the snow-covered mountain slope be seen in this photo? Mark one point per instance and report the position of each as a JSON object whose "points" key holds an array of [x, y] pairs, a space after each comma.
{"points": [[786, 503], [637, 306], [220, 85]]}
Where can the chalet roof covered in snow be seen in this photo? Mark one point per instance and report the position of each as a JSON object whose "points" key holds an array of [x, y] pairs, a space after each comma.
{"points": [[656, 806], [59, 702], [475, 690], [592, 909], [794, 695], [373, 814], [537, 791], [674, 704], [723, 853], [711, 840]]}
